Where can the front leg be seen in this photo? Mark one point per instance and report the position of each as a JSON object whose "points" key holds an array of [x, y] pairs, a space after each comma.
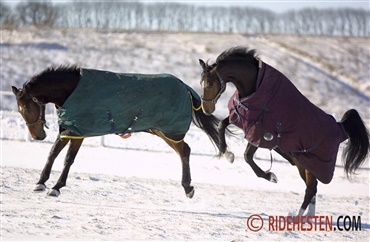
{"points": [[58, 146], [74, 147], [223, 146], [248, 156]]}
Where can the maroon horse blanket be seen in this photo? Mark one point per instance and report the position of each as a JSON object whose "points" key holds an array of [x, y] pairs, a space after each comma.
{"points": [[278, 115]]}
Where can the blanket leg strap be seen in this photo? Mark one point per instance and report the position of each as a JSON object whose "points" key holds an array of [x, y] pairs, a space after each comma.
{"points": [[125, 134], [271, 159]]}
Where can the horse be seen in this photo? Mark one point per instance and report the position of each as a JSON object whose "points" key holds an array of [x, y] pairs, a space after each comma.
{"points": [[93, 103], [273, 114]]}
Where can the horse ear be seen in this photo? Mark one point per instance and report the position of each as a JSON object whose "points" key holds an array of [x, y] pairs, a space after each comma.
{"points": [[15, 90], [203, 64]]}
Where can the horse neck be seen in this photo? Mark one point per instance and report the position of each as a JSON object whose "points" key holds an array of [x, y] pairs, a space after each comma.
{"points": [[243, 75], [54, 90]]}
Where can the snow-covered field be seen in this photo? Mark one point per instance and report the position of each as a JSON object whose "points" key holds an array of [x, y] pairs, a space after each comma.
{"points": [[115, 194], [132, 194]]}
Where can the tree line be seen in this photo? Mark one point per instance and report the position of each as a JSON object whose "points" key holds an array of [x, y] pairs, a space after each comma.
{"points": [[186, 17]]}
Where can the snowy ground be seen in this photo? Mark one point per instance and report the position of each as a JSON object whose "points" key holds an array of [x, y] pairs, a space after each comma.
{"points": [[115, 194], [120, 194]]}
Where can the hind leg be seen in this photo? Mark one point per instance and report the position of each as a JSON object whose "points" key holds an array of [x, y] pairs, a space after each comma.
{"points": [[183, 150], [311, 190]]}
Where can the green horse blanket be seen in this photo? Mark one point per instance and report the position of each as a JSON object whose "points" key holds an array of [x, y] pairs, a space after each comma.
{"points": [[119, 103]]}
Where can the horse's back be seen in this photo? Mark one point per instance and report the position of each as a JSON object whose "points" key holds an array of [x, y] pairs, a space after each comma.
{"points": [[107, 102]]}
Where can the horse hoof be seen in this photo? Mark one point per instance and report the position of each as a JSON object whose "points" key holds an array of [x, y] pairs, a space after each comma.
{"points": [[190, 194], [272, 177], [39, 188], [53, 193], [229, 156]]}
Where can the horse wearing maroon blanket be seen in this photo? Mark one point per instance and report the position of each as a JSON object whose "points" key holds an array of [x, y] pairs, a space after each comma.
{"points": [[273, 114]]}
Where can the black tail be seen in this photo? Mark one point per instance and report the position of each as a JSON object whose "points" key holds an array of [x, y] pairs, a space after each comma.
{"points": [[357, 149], [209, 124]]}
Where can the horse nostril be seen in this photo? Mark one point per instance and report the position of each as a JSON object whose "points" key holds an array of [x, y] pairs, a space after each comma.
{"points": [[40, 137], [207, 113]]}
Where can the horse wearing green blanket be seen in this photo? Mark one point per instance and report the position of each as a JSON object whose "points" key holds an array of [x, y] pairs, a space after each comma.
{"points": [[93, 103]]}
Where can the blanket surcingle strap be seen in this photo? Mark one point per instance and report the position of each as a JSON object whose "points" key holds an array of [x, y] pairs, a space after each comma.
{"points": [[277, 115], [120, 103]]}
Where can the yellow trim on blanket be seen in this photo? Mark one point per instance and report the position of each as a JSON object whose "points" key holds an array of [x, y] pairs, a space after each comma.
{"points": [[71, 137], [192, 104], [173, 141]]}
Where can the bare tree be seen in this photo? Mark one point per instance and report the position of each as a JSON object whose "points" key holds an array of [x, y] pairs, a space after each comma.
{"points": [[181, 17], [8, 19], [37, 13]]}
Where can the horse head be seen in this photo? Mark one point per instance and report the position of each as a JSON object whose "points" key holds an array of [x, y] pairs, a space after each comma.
{"points": [[212, 85], [32, 111]]}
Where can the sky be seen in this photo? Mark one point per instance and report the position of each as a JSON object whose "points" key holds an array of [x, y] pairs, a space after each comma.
{"points": [[273, 5]]}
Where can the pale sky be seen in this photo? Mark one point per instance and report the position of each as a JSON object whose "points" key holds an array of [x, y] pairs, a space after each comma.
{"points": [[273, 5]]}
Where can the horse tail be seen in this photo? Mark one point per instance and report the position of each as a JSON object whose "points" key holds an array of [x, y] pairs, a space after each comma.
{"points": [[207, 123], [357, 148]]}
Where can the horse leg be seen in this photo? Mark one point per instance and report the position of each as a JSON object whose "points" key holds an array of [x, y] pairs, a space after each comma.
{"points": [[183, 150], [223, 147], [74, 147], [285, 156], [58, 146], [248, 156], [311, 190]]}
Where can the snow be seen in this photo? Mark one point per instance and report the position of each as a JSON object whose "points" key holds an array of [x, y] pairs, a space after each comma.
{"points": [[115, 194], [131, 189]]}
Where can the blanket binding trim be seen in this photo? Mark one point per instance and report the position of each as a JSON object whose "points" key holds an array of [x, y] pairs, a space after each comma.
{"points": [[169, 139], [71, 137], [192, 103]]}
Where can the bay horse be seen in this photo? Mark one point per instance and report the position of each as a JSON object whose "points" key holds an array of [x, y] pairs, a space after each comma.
{"points": [[273, 114], [68, 88]]}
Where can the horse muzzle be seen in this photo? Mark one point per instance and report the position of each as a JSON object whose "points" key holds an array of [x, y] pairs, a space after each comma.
{"points": [[208, 109], [38, 135]]}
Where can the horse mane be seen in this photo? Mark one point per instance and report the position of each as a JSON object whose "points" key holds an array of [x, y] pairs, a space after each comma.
{"points": [[52, 73], [238, 53]]}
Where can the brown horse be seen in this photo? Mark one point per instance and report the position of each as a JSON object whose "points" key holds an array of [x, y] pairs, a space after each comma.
{"points": [[146, 93], [275, 115]]}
